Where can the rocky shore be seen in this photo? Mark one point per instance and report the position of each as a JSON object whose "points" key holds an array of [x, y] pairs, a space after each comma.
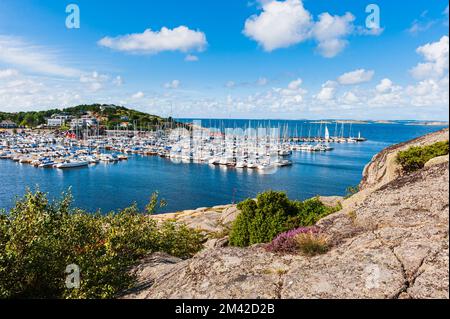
{"points": [[390, 240]]}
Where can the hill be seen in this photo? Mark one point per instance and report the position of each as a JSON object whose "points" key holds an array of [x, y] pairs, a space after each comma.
{"points": [[109, 115]]}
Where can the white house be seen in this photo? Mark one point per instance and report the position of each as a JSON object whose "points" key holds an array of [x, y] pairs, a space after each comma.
{"points": [[58, 120]]}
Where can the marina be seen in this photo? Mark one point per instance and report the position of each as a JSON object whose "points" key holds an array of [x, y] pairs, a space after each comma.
{"points": [[123, 168], [261, 148]]}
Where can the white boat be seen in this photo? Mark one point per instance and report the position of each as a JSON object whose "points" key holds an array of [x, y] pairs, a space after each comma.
{"points": [[214, 161], [265, 166], [47, 164], [241, 164], [92, 159], [284, 152], [227, 160], [72, 164], [283, 163]]}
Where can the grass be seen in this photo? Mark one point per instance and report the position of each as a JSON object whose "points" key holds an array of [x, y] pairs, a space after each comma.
{"points": [[311, 244]]}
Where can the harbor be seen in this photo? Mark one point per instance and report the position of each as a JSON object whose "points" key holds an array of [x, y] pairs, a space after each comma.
{"points": [[189, 183], [260, 148]]}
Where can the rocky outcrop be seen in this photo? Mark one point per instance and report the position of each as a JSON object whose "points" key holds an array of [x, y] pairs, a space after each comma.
{"points": [[383, 169], [390, 242], [216, 222], [213, 222]]}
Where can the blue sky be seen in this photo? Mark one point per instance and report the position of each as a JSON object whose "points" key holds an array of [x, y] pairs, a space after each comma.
{"points": [[243, 59]]}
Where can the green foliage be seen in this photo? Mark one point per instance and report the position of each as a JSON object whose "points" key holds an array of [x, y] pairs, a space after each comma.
{"points": [[39, 239], [271, 214], [415, 157]]}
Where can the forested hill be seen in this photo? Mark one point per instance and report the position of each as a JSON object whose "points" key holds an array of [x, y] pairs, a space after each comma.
{"points": [[109, 115]]}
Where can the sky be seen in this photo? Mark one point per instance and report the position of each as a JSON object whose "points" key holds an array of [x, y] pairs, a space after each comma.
{"points": [[291, 59]]}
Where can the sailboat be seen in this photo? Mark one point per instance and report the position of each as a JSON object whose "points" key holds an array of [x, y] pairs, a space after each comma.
{"points": [[359, 138], [327, 133]]}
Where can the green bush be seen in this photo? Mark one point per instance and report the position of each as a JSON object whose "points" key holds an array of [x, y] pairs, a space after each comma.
{"points": [[39, 239], [415, 157], [272, 213]]}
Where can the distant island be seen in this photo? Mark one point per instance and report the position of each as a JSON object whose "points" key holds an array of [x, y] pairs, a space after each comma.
{"points": [[430, 123], [339, 122], [385, 122], [352, 122]]}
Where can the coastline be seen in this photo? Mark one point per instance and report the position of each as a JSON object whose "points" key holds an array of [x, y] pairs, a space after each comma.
{"points": [[374, 228]]}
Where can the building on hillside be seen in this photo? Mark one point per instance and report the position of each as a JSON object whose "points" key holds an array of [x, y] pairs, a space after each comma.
{"points": [[8, 124], [83, 122], [58, 120]]}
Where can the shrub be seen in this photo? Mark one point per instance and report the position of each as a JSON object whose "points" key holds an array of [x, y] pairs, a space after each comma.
{"points": [[415, 157], [286, 242], [310, 212], [311, 243], [38, 239], [272, 213]]}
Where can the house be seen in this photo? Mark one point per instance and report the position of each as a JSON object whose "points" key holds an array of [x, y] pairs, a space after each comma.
{"points": [[58, 120], [8, 124], [83, 122], [55, 122]]}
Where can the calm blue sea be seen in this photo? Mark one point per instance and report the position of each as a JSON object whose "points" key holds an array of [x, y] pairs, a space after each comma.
{"points": [[187, 186]]}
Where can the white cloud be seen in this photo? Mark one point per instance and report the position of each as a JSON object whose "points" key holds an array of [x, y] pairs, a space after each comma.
{"points": [[94, 81], [356, 77], [31, 58], [138, 95], [385, 86], [330, 31], [359, 30], [327, 92], [191, 58], [150, 42], [436, 60], [350, 98], [282, 24], [279, 25], [175, 84], [8, 73], [30, 93], [292, 95], [430, 92], [418, 26], [294, 85]]}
